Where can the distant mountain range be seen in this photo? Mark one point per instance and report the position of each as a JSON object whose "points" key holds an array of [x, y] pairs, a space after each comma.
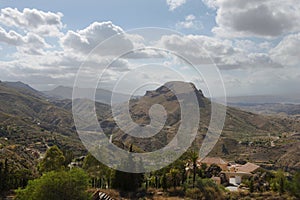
{"points": [[263, 99], [267, 104], [101, 95], [30, 121]]}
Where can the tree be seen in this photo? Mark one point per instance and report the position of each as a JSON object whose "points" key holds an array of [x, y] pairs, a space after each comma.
{"points": [[279, 183], [174, 174], [194, 160], [1, 177], [213, 170], [295, 188], [4, 173], [125, 181], [164, 183], [53, 160], [56, 185], [97, 171], [69, 156], [251, 185]]}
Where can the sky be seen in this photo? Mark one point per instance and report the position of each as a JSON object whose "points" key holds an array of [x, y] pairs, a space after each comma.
{"points": [[250, 46]]}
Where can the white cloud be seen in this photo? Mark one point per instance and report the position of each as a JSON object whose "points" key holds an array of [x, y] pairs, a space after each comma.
{"points": [[210, 3], [203, 50], [10, 37], [29, 44], [251, 46], [268, 18], [190, 22], [37, 21], [190, 18], [262, 81], [86, 40], [198, 49], [173, 4], [287, 52], [246, 63]]}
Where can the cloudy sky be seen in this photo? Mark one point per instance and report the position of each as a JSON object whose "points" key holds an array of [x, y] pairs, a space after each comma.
{"points": [[255, 44]]}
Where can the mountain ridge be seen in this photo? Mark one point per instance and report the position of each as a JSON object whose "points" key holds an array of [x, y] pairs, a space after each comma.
{"points": [[101, 95], [38, 122]]}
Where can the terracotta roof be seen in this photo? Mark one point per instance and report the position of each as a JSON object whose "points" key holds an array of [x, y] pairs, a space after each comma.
{"points": [[214, 160], [248, 168]]}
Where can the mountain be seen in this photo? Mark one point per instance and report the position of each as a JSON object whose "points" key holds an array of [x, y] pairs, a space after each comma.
{"points": [[23, 88], [268, 140], [284, 105], [102, 96], [270, 108], [30, 122], [262, 99]]}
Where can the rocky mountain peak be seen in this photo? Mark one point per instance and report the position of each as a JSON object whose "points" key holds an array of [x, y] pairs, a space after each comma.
{"points": [[183, 90]]}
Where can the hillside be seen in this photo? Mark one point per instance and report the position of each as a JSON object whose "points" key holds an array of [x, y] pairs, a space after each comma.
{"points": [[265, 139], [30, 123], [34, 122]]}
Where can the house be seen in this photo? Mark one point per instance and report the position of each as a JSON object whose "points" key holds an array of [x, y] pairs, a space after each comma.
{"points": [[236, 172], [248, 168], [232, 172]]}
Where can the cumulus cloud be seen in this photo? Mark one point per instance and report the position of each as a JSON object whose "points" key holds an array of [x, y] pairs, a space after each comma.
{"points": [[239, 18], [86, 40], [10, 37], [29, 44], [43, 23], [173, 4], [287, 51], [36, 62], [203, 50]]}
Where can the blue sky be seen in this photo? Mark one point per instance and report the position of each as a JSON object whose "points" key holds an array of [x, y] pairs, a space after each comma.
{"points": [[128, 14], [254, 44]]}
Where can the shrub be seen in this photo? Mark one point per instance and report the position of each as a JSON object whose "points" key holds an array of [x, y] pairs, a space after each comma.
{"points": [[57, 185], [193, 193]]}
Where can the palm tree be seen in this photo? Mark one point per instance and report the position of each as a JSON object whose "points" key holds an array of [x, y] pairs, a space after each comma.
{"points": [[194, 158]]}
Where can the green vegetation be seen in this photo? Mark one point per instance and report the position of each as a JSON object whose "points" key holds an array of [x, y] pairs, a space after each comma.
{"points": [[295, 186], [279, 183], [31, 125], [53, 160], [57, 185], [129, 182], [12, 177], [60, 182], [100, 175], [205, 189]]}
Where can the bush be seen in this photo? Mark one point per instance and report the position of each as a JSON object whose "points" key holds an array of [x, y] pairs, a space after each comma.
{"points": [[193, 193], [57, 185], [206, 189]]}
